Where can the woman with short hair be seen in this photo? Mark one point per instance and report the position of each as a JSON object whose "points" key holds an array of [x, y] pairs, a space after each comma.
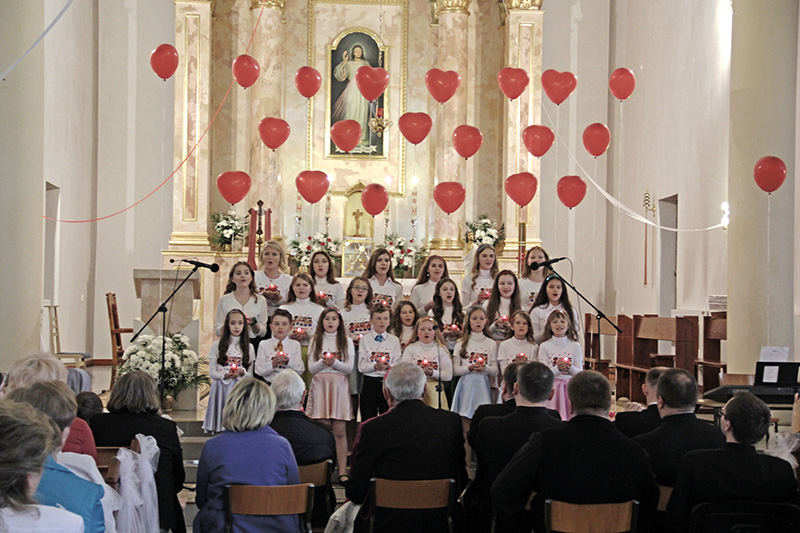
{"points": [[248, 453]]}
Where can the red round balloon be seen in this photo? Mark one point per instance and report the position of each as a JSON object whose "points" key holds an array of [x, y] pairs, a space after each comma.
{"points": [[622, 82], [596, 138], [233, 185], [374, 198], [415, 126], [164, 61], [312, 185], [521, 187], [442, 85], [558, 85], [512, 81], [245, 69], [769, 173], [371, 82], [571, 190], [345, 134], [467, 140], [449, 195], [308, 81], [538, 139], [273, 131]]}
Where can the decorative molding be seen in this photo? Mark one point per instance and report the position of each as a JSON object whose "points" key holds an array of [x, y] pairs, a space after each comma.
{"points": [[182, 238], [269, 4], [524, 4], [451, 6]]}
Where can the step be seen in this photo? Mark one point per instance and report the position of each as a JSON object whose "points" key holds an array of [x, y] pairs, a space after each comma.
{"points": [[191, 428], [192, 446]]}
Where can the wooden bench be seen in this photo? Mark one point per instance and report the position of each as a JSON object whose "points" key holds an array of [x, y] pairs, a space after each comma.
{"points": [[593, 329]]}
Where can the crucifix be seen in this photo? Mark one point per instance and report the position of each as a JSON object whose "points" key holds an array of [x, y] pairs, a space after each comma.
{"points": [[357, 214]]}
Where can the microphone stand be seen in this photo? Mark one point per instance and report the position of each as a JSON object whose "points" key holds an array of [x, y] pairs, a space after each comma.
{"points": [[600, 315], [439, 387], [162, 308]]}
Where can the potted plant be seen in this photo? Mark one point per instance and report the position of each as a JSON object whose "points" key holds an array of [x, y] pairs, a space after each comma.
{"points": [[406, 254], [483, 230], [229, 228]]}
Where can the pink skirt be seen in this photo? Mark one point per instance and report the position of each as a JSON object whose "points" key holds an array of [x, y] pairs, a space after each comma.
{"points": [[329, 397], [560, 401]]}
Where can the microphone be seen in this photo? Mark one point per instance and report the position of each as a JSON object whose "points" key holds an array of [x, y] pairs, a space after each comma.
{"points": [[213, 267], [549, 262]]}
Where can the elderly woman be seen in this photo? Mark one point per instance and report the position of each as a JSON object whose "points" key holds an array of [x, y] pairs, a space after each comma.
{"points": [[133, 408], [29, 437], [248, 453]]}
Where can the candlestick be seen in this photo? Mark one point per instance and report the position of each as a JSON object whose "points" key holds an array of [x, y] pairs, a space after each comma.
{"points": [[328, 205], [268, 225]]}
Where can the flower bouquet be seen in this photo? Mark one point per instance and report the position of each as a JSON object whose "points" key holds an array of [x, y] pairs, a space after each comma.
{"points": [[228, 226], [406, 254], [302, 250], [485, 231]]}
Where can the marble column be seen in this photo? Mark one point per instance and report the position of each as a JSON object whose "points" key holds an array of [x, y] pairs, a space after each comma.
{"points": [[523, 49], [190, 185], [452, 55], [265, 101], [763, 111]]}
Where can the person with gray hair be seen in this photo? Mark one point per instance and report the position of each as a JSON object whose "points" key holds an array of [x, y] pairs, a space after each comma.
{"points": [[584, 461], [410, 441], [736, 472]]}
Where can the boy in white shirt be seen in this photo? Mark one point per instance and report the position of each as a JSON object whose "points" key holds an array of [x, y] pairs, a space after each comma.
{"points": [[280, 351], [377, 352]]}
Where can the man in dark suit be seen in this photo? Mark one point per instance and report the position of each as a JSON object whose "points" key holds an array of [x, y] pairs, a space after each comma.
{"points": [[410, 442], [736, 472], [680, 431], [636, 420], [494, 409], [499, 438], [585, 461]]}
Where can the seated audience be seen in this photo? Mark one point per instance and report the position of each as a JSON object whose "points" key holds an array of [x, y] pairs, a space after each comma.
{"points": [[59, 486], [89, 405], [410, 442], [46, 367], [680, 431], [635, 420], [311, 441], [133, 408], [495, 409], [499, 438], [585, 461], [248, 452], [29, 439], [735, 473]]}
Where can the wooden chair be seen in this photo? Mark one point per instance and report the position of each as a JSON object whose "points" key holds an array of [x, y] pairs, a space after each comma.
{"points": [[592, 331], [268, 501], [107, 454], [111, 475], [417, 494], [71, 359], [319, 475], [664, 494], [750, 517], [591, 517], [715, 330], [116, 334]]}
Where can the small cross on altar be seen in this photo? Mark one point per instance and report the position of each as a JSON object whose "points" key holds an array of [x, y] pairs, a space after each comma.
{"points": [[357, 214]]}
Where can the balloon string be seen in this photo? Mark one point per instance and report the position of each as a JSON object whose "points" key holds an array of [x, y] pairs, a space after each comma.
{"points": [[180, 165], [613, 201], [555, 202], [37, 41], [769, 263]]}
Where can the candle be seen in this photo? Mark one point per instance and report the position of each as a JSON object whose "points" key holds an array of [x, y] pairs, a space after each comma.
{"points": [[522, 354], [454, 327], [414, 203], [328, 355], [299, 330], [233, 367], [360, 335], [281, 354], [299, 206], [504, 318], [328, 205], [321, 295], [272, 288], [384, 302], [565, 360], [383, 359], [379, 112], [480, 360], [267, 225], [425, 362]]}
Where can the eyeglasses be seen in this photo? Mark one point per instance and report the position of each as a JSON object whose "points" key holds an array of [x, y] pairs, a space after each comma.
{"points": [[723, 414], [360, 289]]}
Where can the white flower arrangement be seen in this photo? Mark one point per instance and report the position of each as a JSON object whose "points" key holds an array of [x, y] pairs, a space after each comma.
{"points": [[180, 362], [485, 231], [302, 250], [227, 226], [406, 254]]}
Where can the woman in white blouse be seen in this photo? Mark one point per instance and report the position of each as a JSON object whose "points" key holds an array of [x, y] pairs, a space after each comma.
{"points": [[240, 293]]}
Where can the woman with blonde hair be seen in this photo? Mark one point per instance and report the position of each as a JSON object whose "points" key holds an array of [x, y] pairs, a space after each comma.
{"points": [[229, 459], [272, 281]]}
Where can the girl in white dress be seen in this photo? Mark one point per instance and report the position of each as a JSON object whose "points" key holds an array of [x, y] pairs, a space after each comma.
{"points": [[520, 348], [433, 270], [303, 306], [330, 292], [503, 303], [272, 281], [240, 293], [427, 350], [477, 287], [229, 360], [403, 320], [531, 280], [561, 352], [385, 289], [447, 312], [552, 297], [330, 360]]}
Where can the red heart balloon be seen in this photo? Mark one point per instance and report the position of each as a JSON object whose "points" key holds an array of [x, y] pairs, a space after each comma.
{"points": [[164, 61], [374, 198], [273, 131], [769, 173], [449, 196], [571, 190], [538, 139], [467, 140], [442, 85], [308, 81], [371, 82], [415, 126], [596, 138], [312, 185], [621, 83], [345, 134], [245, 70], [521, 187], [233, 185], [558, 85], [512, 81]]}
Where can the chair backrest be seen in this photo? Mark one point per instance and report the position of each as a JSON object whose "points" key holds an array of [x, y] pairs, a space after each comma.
{"points": [[269, 501], [736, 379], [418, 494], [52, 322], [116, 333], [664, 494], [591, 517], [106, 453], [111, 473], [318, 474], [747, 517]]}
